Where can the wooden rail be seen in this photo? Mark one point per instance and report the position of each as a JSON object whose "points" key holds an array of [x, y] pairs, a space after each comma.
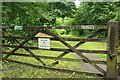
{"points": [[63, 70], [66, 39], [61, 27], [59, 49], [55, 58]]}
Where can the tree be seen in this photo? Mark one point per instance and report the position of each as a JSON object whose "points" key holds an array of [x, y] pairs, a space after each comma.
{"points": [[34, 13], [96, 13]]}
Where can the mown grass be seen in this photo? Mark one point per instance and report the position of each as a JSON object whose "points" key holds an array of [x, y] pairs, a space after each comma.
{"points": [[97, 46], [15, 70], [94, 46]]}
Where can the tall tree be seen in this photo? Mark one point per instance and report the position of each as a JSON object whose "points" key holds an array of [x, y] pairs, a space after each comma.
{"points": [[95, 13], [34, 13]]}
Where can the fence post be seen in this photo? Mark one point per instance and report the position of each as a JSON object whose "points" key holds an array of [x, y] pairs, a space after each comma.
{"points": [[112, 49], [119, 68], [119, 54]]}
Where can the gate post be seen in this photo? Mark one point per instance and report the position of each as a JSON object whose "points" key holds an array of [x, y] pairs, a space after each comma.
{"points": [[119, 68], [112, 49]]}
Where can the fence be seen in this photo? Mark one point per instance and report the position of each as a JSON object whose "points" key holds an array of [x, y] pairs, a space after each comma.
{"points": [[113, 67]]}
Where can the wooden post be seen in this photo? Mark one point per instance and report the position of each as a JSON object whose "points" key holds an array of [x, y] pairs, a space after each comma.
{"points": [[119, 54], [0, 47], [119, 68], [112, 49]]}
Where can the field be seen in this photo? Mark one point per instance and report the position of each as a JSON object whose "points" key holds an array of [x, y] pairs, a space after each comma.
{"points": [[16, 70]]}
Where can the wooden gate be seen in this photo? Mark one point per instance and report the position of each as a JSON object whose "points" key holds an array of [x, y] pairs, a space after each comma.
{"points": [[112, 46]]}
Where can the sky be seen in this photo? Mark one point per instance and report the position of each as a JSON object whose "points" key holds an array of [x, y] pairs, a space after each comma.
{"points": [[77, 2]]}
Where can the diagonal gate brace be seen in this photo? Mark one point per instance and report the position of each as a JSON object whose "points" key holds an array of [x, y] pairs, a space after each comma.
{"points": [[77, 45], [32, 54], [76, 51]]}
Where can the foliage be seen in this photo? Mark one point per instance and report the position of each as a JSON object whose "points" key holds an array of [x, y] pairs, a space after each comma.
{"points": [[95, 13], [60, 14], [67, 21], [34, 13]]}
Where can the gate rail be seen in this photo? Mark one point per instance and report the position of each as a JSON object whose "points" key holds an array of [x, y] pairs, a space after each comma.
{"points": [[113, 67]]}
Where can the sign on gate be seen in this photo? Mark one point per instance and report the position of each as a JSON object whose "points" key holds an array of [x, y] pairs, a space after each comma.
{"points": [[18, 27], [87, 27], [44, 43]]}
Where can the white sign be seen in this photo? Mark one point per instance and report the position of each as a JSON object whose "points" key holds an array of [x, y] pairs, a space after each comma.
{"points": [[18, 27], [87, 27], [44, 43]]}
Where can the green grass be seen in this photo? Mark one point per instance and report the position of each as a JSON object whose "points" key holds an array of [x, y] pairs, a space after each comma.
{"points": [[95, 46], [15, 70], [70, 36]]}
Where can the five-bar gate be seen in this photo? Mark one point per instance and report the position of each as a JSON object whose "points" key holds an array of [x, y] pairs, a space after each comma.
{"points": [[113, 67]]}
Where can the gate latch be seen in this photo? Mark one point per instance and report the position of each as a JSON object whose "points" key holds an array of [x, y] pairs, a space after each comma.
{"points": [[112, 55]]}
